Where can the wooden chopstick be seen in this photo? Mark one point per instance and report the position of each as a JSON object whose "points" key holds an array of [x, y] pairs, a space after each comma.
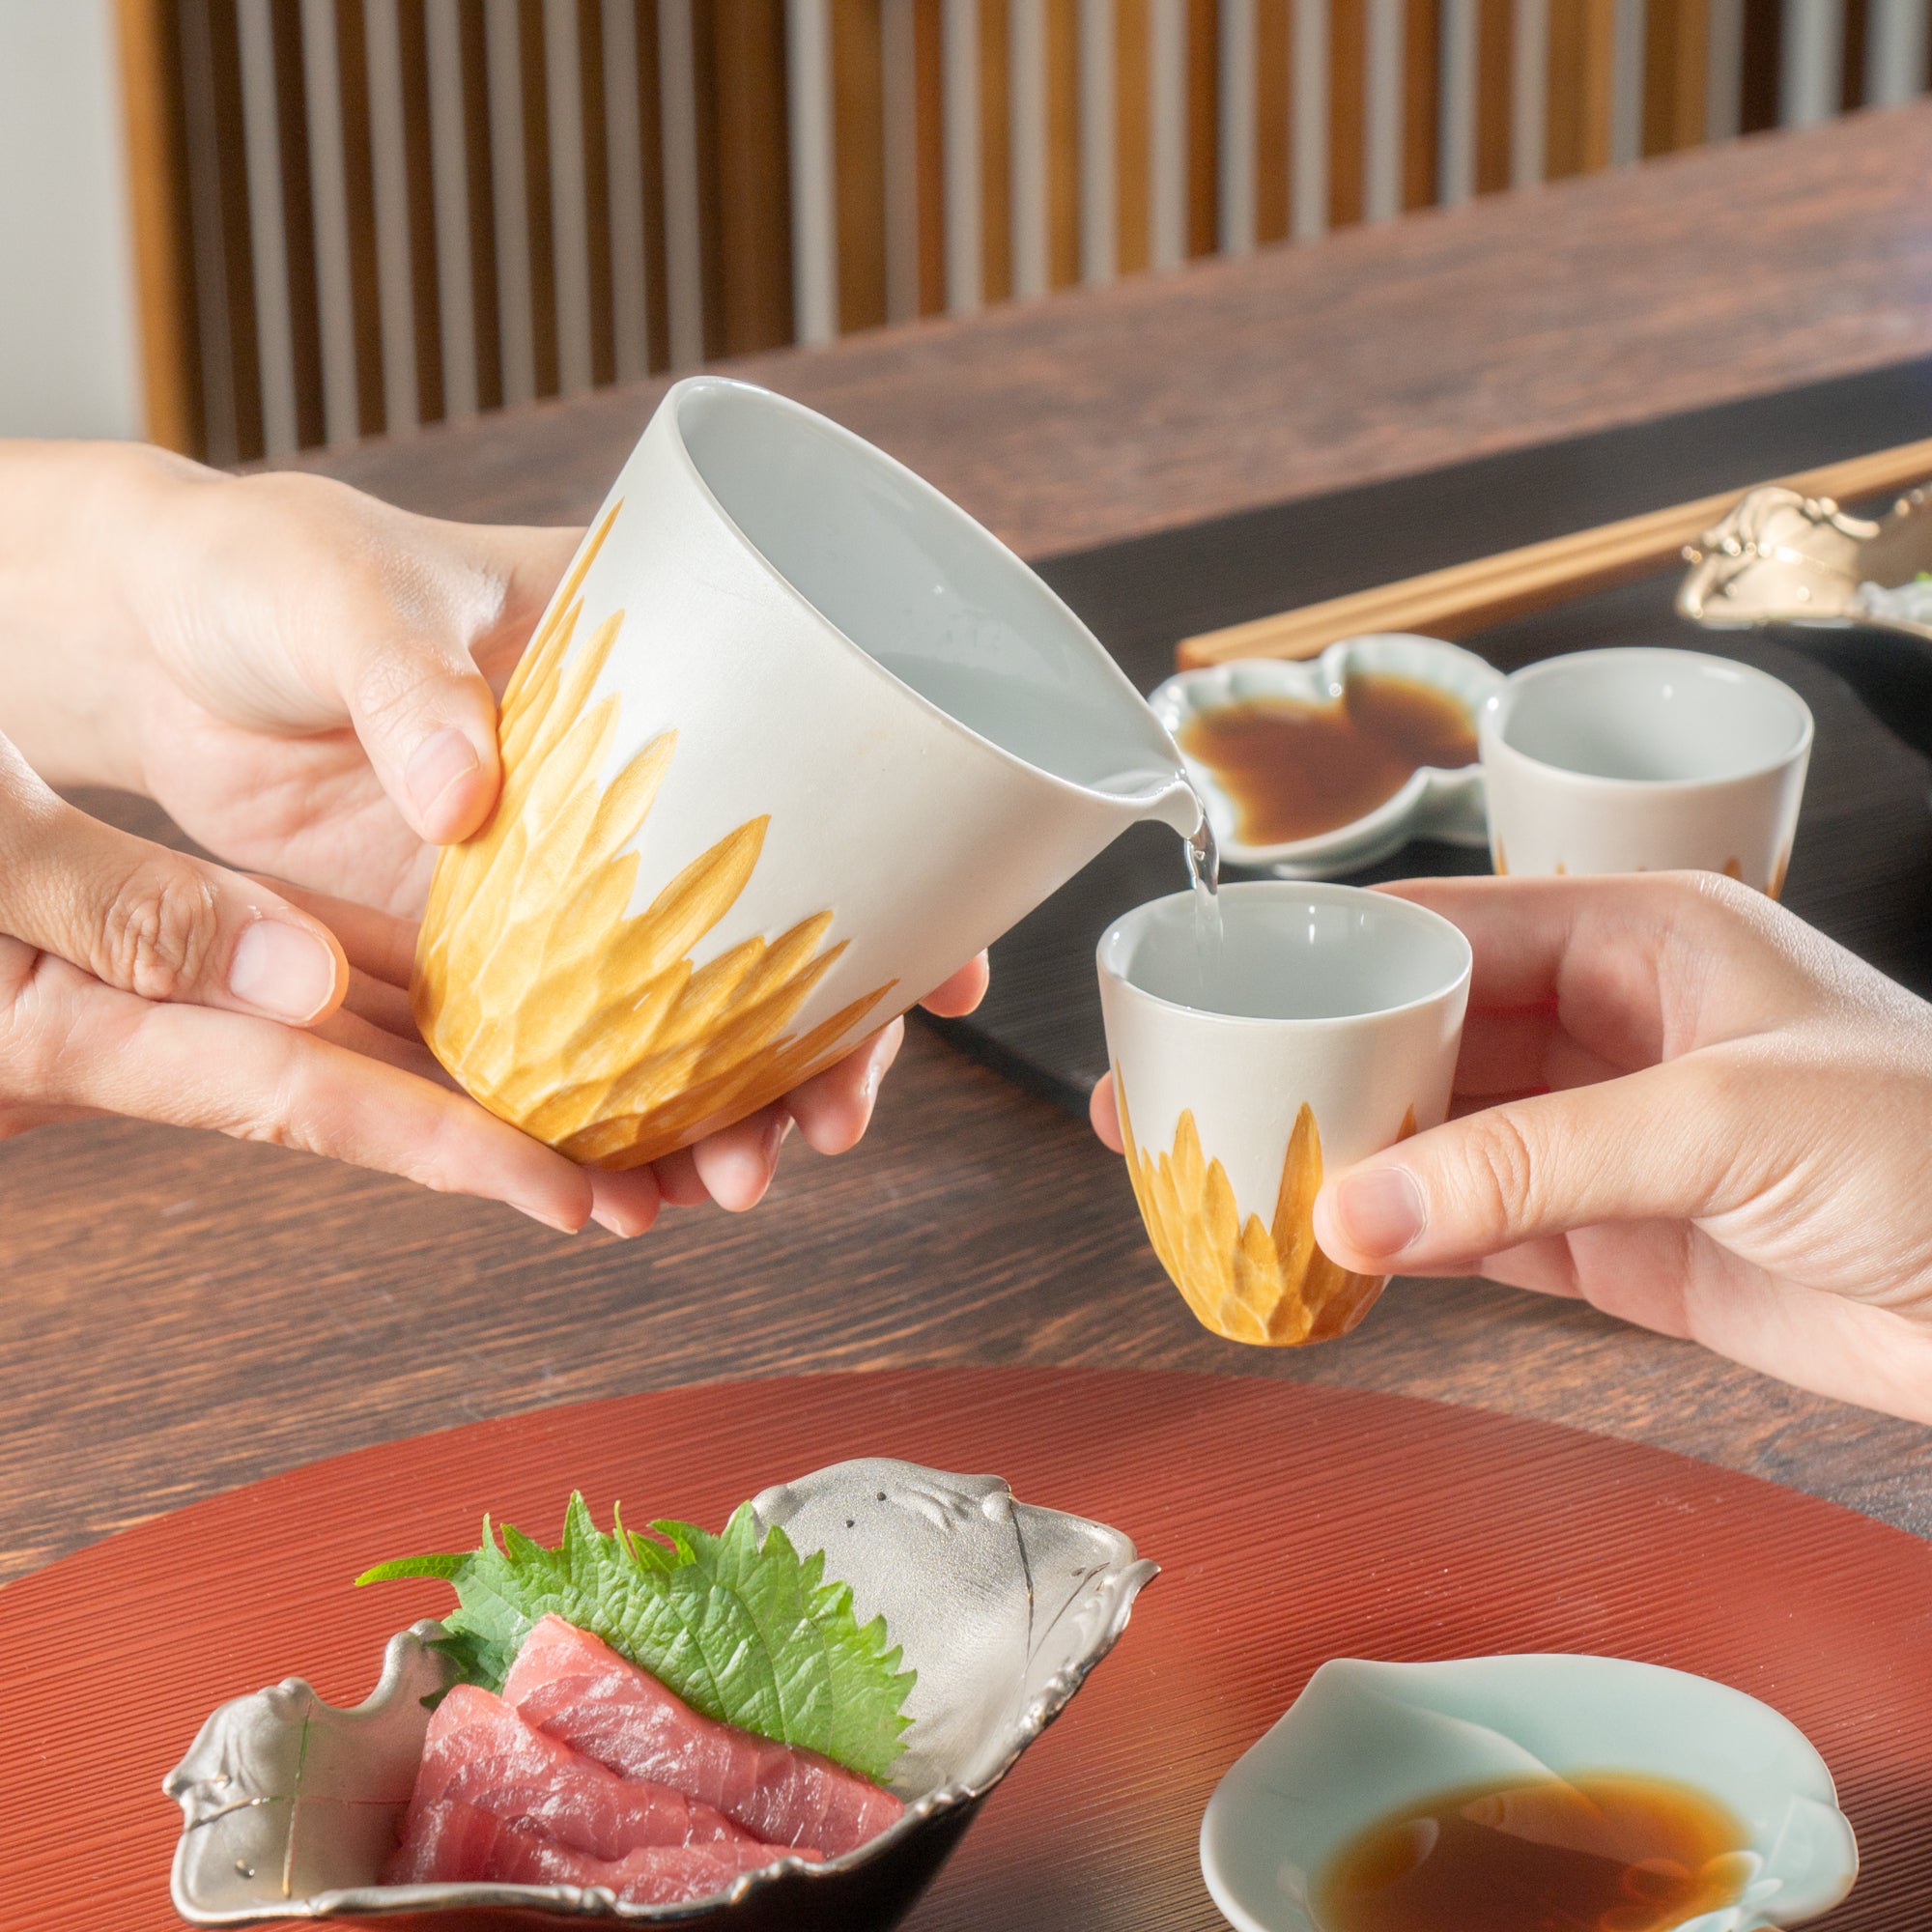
{"points": [[1451, 603]]}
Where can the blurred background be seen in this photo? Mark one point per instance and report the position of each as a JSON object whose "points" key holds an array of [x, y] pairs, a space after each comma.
{"points": [[244, 227]]}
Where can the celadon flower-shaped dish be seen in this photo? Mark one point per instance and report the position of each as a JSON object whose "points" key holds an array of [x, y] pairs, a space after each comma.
{"points": [[1433, 804], [290, 1804], [1364, 1741]]}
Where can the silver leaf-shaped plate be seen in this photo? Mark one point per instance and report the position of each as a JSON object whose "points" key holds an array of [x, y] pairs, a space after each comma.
{"points": [[289, 1805]]}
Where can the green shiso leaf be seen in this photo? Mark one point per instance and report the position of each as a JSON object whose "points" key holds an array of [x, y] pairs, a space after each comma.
{"points": [[746, 1630]]}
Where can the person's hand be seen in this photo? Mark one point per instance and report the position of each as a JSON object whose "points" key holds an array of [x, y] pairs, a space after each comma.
{"points": [[305, 679], [137, 980], [1683, 1106]]}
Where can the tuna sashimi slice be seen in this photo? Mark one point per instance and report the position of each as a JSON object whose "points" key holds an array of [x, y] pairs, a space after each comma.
{"points": [[452, 1842], [479, 1750], [575, 1687]]}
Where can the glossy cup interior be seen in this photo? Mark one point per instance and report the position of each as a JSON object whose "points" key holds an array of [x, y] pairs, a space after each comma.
{"points": [[1289, 952], [1650, 717], [923, 590]]}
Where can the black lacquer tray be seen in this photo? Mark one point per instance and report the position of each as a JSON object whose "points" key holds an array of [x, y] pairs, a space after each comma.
{"points": [[1861, 869]]}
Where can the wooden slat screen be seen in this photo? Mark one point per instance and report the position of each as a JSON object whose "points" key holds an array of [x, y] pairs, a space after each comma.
{"points": [[354, 217]]}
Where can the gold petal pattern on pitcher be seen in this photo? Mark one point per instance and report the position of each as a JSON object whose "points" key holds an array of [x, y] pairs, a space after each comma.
{"points": [[1264, 1283], [591, 1031]]}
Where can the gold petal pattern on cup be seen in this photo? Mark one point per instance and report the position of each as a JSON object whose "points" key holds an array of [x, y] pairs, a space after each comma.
{"points": [[589, 1029], [1266, 1283]]}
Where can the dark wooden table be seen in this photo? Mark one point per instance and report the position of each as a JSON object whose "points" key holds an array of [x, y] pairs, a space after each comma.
{"points": [[181, 1314]]}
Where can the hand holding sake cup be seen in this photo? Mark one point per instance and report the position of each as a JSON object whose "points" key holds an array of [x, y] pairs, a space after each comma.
{"points": [[1320, 1027]]}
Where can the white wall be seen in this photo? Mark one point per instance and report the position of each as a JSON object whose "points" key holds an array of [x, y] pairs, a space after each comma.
{"points": [[68, 356]]}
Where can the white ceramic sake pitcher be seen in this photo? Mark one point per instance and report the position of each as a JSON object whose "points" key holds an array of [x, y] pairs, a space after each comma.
{"points": [[794, 740]]}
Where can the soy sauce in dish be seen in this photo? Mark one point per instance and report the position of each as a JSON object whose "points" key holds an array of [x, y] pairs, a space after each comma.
{"points": [[1293, 769], [1592, 1853]]}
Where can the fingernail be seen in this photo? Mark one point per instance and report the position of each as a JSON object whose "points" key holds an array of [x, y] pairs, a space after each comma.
{"points": [[883, 1055], [740, 1175], [545, 1220], [440, 762], [282, 971], [1380, 1210], [738, 1179], [624, 1205]]}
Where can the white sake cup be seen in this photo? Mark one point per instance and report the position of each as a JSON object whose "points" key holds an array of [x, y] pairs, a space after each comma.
{"points": [[1645, 760], [1327, 1030], [794, 740]]}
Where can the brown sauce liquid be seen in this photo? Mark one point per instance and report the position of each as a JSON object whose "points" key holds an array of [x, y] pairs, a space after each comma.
{"points": [[1293, 770], [1593, 1854]]}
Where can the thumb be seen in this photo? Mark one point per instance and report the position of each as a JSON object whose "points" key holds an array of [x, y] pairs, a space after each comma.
{"points": [[422, 706], [428, 721], [153, 921], [1655, 1145]]}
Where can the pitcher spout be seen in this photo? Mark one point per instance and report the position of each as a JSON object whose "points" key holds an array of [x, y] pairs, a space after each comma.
{"points": [[1176, 804]]}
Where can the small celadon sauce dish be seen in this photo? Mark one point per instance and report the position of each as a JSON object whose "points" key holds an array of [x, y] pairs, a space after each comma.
{"points": [[1315, 769], [1381, 1771]]}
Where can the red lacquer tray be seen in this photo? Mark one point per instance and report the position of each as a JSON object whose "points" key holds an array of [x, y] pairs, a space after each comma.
{"points": [[1293, 1523]]}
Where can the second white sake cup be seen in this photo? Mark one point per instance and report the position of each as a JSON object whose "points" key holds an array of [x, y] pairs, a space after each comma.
{"points": [[1324, 1029], [1645, 760]]}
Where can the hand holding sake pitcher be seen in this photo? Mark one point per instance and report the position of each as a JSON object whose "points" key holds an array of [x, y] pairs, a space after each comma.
{"points": [[795, 739]]}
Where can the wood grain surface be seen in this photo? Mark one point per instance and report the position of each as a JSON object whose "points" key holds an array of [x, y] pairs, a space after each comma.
{"points": [[182, 1314], [1291, 1526], [1516, 320]]}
